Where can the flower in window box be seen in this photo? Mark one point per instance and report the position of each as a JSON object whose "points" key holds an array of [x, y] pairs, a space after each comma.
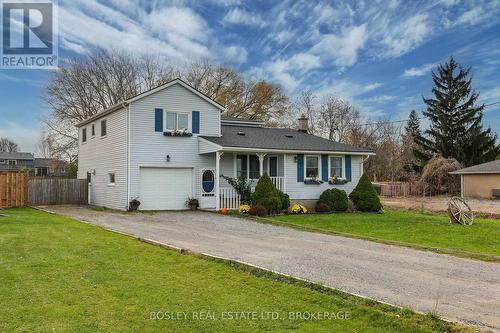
{"points": [[337, 181], [313, 181]]}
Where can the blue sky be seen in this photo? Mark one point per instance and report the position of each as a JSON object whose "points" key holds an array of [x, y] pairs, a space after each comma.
{"points": [[377, 53]]}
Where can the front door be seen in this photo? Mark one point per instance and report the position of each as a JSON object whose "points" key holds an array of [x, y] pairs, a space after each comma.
{"points": [[207, 189]]}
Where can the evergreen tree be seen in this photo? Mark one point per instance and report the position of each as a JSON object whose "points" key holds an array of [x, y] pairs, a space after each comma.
{"points": [[413, 125], [455, 121], [412, 130]]}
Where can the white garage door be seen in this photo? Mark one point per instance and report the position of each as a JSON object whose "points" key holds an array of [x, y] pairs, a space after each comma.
{"points": [[165, 188]]}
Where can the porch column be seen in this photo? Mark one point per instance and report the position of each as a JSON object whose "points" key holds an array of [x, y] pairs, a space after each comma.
{"points": [[218, 155], [261, 163]]}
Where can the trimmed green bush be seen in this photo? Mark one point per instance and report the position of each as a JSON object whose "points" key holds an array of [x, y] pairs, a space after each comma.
{"points": [[364, 196], [267, 195], [335, 198], [285, 200]]}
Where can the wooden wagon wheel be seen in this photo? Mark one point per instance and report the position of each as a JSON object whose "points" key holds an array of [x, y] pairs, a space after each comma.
{"points": [[459, 211]]}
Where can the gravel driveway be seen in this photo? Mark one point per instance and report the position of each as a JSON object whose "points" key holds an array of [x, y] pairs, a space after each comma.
{"points": [[457, 289]]}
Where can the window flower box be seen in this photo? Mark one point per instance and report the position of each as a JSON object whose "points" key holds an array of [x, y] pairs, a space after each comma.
{"points": [[181, 132], [337, 181], [313, 181]]}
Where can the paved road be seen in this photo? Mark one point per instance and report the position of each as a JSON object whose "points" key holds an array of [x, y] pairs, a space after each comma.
{"points": [[457, 289]]}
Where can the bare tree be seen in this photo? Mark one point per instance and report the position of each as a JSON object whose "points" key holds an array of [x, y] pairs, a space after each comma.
{"points": [[8, 146], [305, 103], [84, 86], [337, 117]]}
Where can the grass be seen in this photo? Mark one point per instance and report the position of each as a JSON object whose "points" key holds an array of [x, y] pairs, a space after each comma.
{"points": [[408, 228], [60, 275]]}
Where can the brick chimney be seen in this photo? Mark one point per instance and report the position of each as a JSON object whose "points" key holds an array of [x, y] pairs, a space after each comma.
{"points": [[303, 123]]}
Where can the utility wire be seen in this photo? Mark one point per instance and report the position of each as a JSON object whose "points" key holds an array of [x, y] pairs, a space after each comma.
{"points": [[405, 120]]}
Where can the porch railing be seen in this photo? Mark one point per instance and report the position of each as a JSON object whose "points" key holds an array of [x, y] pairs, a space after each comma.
{"points": [[231, 200], [279, 183]]}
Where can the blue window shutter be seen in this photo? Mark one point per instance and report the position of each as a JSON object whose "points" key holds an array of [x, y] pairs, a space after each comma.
{"points": [[196, 122], [324, 168], [158, 120], [300, 168], [348, 168]]}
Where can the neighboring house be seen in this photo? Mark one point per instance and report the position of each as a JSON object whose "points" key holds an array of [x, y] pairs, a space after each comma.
{"points": [[16, 161], [35, 166], [50, 167], [480, 181], [172, 142]]}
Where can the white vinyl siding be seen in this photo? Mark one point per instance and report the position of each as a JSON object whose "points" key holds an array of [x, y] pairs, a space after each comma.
{"points": [[107, 155], [301, 191], [150, 148]]}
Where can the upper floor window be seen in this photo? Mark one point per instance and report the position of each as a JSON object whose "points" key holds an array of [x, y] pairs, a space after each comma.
{"points": [[104, 129], [84, 134], [93, 129], [176, 121], [111, 176], [2, 162], [336, 166], [12, 162], [312, 166]]}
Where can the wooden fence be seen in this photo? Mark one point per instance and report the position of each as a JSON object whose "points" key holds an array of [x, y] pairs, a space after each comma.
{"points": [[401, 189], [49, 191], [13, 189]]}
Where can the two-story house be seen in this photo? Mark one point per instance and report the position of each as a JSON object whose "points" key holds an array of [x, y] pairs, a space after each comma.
{"points": [[173, 142]]}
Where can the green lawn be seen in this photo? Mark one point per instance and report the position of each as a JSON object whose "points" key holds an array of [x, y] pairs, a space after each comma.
{"points": [[422, 230], [60, 275]]}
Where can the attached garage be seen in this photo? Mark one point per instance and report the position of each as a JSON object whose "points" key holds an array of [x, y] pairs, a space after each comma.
{"points": [[165, 188]]}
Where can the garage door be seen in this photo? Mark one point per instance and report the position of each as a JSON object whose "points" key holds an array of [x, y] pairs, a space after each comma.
{"points": [[165, 188]]}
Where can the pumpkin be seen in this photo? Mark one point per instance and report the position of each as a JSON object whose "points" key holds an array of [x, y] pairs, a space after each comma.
{"points": [[224, 211]]}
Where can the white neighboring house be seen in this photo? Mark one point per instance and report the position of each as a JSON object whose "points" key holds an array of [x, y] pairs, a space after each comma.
{"points": [[172, 142]]}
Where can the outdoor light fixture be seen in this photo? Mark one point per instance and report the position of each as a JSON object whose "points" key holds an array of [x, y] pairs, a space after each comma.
{"points": [[168, 158]]}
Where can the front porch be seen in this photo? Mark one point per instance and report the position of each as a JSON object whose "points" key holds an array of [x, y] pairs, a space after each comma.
{"points": [[251, 165]]}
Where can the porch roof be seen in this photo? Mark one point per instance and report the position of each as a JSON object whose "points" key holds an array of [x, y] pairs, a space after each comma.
{"points": [[278, 139]]}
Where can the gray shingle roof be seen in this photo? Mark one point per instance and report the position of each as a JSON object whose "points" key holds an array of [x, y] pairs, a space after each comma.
{"points": [[489, 167], [16, 156], [278, 138]]}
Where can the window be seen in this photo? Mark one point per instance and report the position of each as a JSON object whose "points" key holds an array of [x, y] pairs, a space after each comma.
{"points": [[312, 169], [176, 121], [273, 166], [171, 120], [84, 135], [241, 166], [336, 166], [12, 162], [93, 130], [104, 129], [2, 161], [254, 172], [182, 121], [111, 178]]}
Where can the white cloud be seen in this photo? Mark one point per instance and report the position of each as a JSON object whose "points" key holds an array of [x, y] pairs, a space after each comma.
{"points": [[347, 89], [379, 99], [290, 72], [471, 16], [236, 54], [419, 71], [27, 138], [343, 48], [406, 35], [238, 16]]}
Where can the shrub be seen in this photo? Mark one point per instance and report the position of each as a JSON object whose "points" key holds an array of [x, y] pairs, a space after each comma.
{"points": [[298, 209], [436, 175], [242, 186], [322, 207], [244, 209], [266, 195], [365, 197], [335, 198], [258, 210], [285, 200]]}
